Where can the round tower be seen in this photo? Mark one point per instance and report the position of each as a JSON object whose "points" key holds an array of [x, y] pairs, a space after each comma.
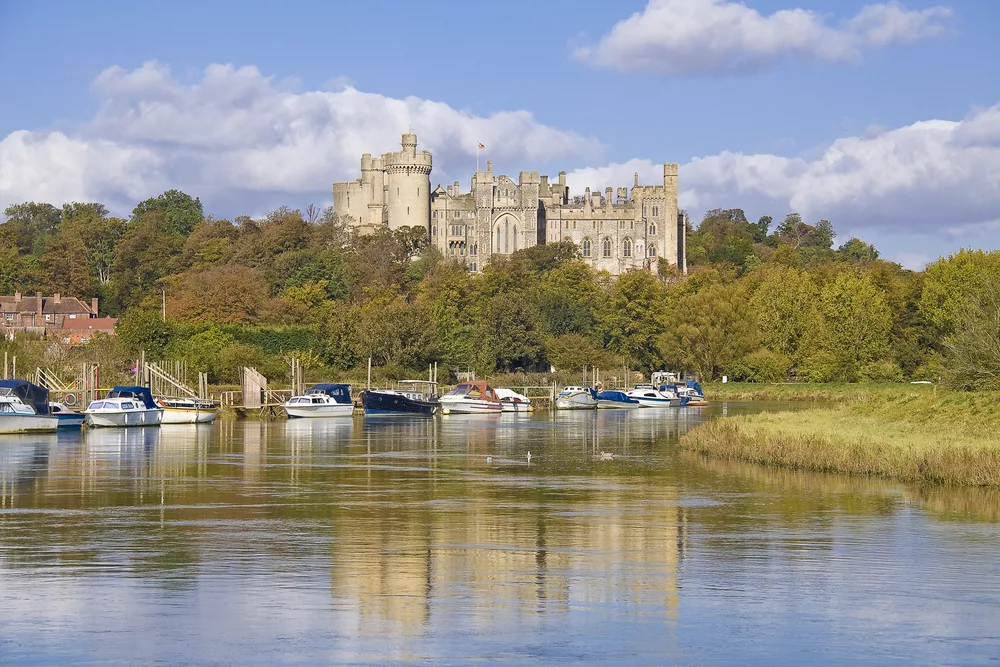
{"points": [[409, 185]]}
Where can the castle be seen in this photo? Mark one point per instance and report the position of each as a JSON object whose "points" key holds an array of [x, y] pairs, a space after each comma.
{"points": [[637, 229]]}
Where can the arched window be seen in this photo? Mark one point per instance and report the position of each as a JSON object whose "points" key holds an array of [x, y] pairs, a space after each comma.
{"points": [[585, 247], [627, 248], [606, 247], [515, 238], [652, 250], [496, 248], [652, 229], [656, 210], [474, 250]]}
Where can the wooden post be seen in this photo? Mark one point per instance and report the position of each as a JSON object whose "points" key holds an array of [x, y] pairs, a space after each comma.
{"points": [[368, 384]]}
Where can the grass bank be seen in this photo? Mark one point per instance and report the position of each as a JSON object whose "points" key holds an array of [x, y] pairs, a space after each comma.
{"points": [[832, 392], [909, 433]]}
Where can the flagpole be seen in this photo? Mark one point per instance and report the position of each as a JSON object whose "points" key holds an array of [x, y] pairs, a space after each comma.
{"points": [[477, 156]]}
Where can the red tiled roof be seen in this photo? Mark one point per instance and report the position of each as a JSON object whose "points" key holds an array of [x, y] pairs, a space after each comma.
{"points": [[94, 323], [29, 304]]}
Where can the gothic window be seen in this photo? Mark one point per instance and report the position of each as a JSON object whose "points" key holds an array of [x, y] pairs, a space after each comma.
{"points": [[497, 246], [474, 250], [515, 238], [418, 192], [461, 250], [652, 229], [606, 247], [656, 211], [627, 248], [652, 251], [631, 225], [585, 247], [435, 230], [435, 214], [407, 210], [574, 224]]}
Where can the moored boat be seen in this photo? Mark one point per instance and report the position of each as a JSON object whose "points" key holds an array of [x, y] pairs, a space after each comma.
{"points": [[68, 419], [576, 398], [691, 393], [24, 408], [511, 401], [403, 401], [125, 407], [321, 400], [615, 400], [471, 398], [650, 396], [187, 411]]}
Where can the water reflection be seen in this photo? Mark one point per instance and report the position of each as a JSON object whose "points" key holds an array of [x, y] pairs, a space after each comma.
{"points": [[409, 540]]}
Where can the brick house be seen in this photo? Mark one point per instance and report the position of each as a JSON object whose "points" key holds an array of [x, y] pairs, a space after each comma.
{"points": [[79, 331], [42, 312]]}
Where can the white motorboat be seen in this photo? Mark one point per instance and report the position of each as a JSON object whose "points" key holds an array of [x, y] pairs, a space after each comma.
{"points": [[125, 407], [471, 398], [321, 400], [650, 396], [691, 394], [16, 416], [187, 411], [576, 398], [511, 401]]}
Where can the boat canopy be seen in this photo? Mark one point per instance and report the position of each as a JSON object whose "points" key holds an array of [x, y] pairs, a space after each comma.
{"points": [[615, 396], [339, 392], [475, 390], [504, 393], [139, 393], [35, 396]]}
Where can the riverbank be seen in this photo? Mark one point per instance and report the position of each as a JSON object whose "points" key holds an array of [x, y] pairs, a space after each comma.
{"points": [[830, 392], [911, 433]]}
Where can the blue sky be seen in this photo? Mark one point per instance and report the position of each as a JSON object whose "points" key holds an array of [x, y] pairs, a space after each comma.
{"points": [[818, 106]]}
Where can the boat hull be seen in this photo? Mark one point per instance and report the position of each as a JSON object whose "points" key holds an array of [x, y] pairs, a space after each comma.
{"points": [[71, 421], [124, 418], [25, 423], [647, 402], [385, 403], [576, 402], [605, 404], [188, 415], [470, 407], [509, 406], [305, 411]]}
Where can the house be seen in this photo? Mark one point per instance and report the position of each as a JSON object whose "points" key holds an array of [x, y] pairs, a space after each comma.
{"points": [[78, 331], [39, 312]]}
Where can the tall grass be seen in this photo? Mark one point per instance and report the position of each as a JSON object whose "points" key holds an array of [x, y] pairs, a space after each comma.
{"points": [[912, 435]]}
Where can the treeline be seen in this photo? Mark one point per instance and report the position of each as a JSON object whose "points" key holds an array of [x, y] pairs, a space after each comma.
{"points": [[761, 302]]}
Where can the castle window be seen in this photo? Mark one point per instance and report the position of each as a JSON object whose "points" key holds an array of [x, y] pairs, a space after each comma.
{"points": [[473, 268], [652, 229], [515, 238], [574, 224], [418, 194], [656, 211], [461, 250], [435, 230], [497, 246], [606, 247], [435, 214], [474, 250], [627, 248], [631, 225], [652, 251], [585, 247], [407, 210]]}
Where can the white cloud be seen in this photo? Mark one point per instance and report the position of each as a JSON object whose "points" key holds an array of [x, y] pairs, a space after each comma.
{"points": [[236, 132], [932, 176], [697, 37]]}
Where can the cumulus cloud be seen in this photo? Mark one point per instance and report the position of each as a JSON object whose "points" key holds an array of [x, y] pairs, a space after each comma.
{"points": [[235, 131], [698, 37], [931, 176]]}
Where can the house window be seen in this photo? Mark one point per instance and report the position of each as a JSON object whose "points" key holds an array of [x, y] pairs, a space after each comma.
{"points": [[585, 247], [652, 229], [606, 247], [627, 248], [652, 250]]}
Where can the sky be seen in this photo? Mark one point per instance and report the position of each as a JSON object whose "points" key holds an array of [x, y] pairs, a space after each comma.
{"points": [[882, 117]]}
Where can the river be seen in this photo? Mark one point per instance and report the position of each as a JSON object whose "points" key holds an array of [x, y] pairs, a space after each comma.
{"points": [[412, 541]]}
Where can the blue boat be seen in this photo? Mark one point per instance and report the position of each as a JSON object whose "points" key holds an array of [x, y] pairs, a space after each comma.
{"points": [[616, 400], [68, 419], [405, 401]]}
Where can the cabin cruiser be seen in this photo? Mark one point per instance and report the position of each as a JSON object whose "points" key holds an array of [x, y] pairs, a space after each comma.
{"points": [[187, 411], [322, 400], [407, 400], [125, 407], [68, 419], [471, 398], [512, 401], [614, 400], [650, 396], [691, 391], [24, 408], [576, 398]]}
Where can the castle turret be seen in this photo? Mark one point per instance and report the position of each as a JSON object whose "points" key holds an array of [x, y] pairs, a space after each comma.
{"points": [[408, 178]]}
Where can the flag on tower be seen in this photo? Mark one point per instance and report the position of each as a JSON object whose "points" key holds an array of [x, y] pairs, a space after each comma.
{"points": [[481, 146]]}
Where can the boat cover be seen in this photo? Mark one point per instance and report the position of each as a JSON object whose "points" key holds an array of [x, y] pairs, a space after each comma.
{"points": [[35, 396], [618, 396], [338, 392], [141, 393]]}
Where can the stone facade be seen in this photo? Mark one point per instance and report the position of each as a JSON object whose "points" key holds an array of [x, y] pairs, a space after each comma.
{"points": [[616, 231]]}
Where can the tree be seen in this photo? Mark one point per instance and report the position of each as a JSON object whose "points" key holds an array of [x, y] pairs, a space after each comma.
{"points": [[952, 285], [856, 250], [28, 225], [505, 338], [180, 212], [973, 350], [140, 330], [226, 294], [631, 319]]}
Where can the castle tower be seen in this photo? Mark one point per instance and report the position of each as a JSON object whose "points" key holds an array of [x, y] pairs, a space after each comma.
{"points": [[408, 180]]}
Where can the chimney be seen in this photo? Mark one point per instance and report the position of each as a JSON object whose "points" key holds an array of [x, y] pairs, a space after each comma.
{"points": [[93, 306], [56, 298], [449, 191], [38, 303], [17, 297], [562, 178], [636, 179], [489, 166], [456, 188]]}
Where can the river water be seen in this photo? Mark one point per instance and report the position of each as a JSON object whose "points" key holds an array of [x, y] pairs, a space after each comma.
{"points": [[413, 541]]}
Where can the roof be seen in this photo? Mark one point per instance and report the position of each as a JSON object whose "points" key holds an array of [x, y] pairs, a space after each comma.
{"points": [[87, 323], [29, 304]]}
